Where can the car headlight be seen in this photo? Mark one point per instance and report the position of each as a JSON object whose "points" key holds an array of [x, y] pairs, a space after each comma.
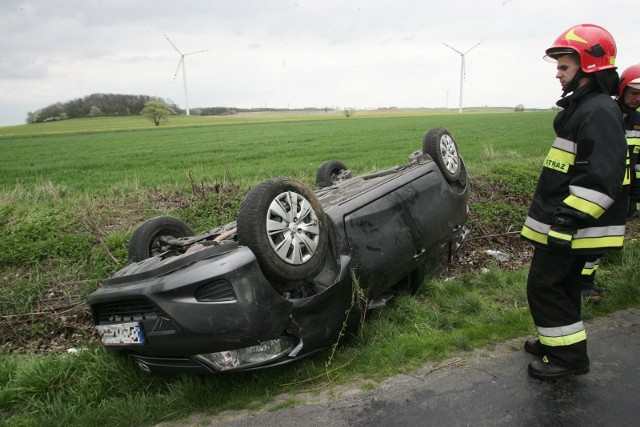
{"points": [[249, 356]]}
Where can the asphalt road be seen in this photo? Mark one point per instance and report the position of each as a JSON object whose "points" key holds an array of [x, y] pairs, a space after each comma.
{"points": [[491, 388]]}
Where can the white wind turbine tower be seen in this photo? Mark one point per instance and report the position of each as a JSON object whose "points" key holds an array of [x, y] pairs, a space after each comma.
{"points": [[461, 68], [182, 63], [446, 103]]}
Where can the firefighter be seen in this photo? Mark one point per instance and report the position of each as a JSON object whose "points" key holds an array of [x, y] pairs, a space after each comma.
{"points": [[577, 209], [628, 101]]}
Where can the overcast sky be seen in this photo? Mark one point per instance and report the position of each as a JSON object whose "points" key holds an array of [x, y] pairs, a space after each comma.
{"points": [[294, 53]]}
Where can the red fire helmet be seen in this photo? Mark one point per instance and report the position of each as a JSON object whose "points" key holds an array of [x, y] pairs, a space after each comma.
{"points": [[630, 77], [595, 46]]}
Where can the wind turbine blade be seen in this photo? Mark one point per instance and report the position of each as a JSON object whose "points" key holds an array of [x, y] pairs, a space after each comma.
{"points": [[197, 51], [180, 64], [474, 46], [174, 46], [452, 48]]}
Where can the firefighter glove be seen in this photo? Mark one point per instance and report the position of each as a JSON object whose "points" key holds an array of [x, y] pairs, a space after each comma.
{"points": [[561, 234]]}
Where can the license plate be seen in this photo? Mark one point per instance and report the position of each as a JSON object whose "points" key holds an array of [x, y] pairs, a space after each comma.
{"points": [[121, 333]]}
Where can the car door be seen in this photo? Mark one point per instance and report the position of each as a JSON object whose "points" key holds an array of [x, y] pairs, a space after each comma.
{"points": [[401, 229]]}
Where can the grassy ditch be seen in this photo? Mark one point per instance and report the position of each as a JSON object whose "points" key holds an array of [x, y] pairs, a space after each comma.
{"points": [[63, 230]]}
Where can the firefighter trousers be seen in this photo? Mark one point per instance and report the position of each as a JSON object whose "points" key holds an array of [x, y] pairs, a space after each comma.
{"points": [[589, 272], [553, 294]]}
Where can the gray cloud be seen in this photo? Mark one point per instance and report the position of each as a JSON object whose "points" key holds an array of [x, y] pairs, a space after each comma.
{"points": [[357, 53]]}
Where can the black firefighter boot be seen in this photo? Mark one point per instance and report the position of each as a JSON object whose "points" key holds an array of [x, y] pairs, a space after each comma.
{"points": [[561, 362]]}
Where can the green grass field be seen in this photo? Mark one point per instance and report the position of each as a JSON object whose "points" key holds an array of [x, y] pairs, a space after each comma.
{"points": [[72, 192], [94, 156]]}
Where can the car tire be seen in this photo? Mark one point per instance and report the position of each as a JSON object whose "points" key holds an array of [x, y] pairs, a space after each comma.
{"points": [[440, 145], [329, 173], [282, 222], [144, 242]]}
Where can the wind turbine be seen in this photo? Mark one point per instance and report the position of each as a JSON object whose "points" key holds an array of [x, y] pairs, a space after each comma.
{"points": [[446, 104], [182, 63], [461, 68]]}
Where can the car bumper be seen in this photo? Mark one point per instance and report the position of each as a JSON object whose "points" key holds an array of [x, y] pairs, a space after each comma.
{"points": [[215, 304]]}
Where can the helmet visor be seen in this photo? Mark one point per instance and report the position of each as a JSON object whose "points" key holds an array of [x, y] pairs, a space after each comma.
{"points": [[553, 54]]}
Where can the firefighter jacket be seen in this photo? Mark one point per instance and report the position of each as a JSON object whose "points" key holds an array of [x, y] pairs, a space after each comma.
{"points": [[582, 176], [632, 130]]}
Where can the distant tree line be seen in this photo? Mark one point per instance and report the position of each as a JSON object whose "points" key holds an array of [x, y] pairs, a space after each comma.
{"points": [[102, 104], [95, 105], [225, 111]]}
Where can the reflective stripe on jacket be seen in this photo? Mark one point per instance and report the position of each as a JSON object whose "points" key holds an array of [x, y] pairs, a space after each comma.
{"points": [[582, 175], [632, 126]]}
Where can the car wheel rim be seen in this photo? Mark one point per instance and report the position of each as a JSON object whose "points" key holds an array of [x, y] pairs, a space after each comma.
{"points": [[449, 154], [293, 228]]}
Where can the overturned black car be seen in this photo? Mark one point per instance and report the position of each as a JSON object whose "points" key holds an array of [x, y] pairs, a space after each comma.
{"points": [[276, 285]]}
